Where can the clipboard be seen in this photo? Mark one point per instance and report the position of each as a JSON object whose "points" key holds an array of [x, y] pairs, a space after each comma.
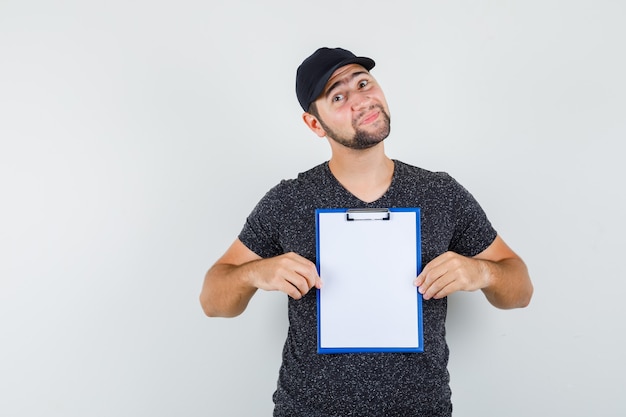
{"points": [[367, 260]]}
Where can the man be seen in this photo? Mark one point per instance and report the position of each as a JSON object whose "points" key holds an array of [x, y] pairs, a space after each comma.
{"points": [[275, 251]]}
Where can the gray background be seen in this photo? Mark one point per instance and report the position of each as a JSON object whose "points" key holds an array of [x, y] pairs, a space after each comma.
{"points": [[137, 135]]}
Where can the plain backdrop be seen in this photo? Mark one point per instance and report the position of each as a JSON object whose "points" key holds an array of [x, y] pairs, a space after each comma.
{"points": [[136, 136]]}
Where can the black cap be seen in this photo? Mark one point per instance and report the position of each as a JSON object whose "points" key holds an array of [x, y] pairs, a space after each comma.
{"points": [[314, 72]]}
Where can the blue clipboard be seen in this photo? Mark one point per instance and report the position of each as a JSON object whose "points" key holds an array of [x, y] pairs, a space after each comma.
{"points": [[367, 260]]}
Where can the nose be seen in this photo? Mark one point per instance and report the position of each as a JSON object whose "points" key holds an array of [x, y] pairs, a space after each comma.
{"points": [[361, 101]]}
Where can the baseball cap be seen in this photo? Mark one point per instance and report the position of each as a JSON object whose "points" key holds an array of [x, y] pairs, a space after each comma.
{"points": [[315, 71]]}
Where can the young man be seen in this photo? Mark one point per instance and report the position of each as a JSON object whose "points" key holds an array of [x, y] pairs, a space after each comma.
{"points": [[275, 251]]}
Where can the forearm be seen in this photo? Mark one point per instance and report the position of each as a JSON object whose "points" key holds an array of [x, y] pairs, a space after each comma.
{"points": [[508, 283], [232, 281], [226, 291]]}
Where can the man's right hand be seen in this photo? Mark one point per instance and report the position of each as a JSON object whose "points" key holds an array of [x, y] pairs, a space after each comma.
{"points": [[234, 278], [290, 273]]}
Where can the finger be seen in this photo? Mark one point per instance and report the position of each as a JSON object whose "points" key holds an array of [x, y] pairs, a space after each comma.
{"points": [[429, 278], [318, 283], [298, 283], [446, 290], [292, 291], [422, 276], [435, 288], [308, 271], [431, 268], [305, 280], [301, 286]]}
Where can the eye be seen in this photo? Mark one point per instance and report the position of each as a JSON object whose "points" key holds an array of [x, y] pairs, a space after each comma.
{"points": [[338, 97], [363, 84]]}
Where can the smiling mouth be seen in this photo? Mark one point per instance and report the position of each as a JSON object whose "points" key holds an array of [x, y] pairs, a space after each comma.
{"points": [[370, 117]]}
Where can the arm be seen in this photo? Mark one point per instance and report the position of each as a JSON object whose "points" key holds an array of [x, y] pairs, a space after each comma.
{"points": [[497, 271], [232, 281]]}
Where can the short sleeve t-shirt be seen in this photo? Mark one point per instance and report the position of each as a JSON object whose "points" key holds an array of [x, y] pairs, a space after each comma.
{"points": [[365, 384]]}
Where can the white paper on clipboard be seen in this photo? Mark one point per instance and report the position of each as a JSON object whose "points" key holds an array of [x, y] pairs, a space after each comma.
{"points": [[367, 264]]}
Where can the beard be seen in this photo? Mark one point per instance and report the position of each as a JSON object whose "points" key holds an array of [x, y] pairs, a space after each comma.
{"points": [[362, 139]]}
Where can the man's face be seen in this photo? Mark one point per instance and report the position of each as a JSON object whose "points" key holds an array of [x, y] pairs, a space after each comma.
{"points": [[352, 108]]}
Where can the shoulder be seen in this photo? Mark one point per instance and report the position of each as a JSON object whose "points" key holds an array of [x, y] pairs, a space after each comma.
{"points": [[298, 190], [306, 180], [414, 171], [436, 189], [424, 177]]}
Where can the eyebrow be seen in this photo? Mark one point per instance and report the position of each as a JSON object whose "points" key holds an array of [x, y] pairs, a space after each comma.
{"points": [[344, 80]]}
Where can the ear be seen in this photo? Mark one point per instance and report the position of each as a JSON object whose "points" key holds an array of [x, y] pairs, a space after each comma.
{"points": [[314, 124]]}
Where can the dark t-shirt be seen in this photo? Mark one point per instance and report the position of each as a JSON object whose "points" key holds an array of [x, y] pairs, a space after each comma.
{"points": [[365, 384]]}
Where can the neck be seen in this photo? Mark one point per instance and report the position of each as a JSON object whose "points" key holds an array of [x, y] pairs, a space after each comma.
{"points": [[365, 173]]}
